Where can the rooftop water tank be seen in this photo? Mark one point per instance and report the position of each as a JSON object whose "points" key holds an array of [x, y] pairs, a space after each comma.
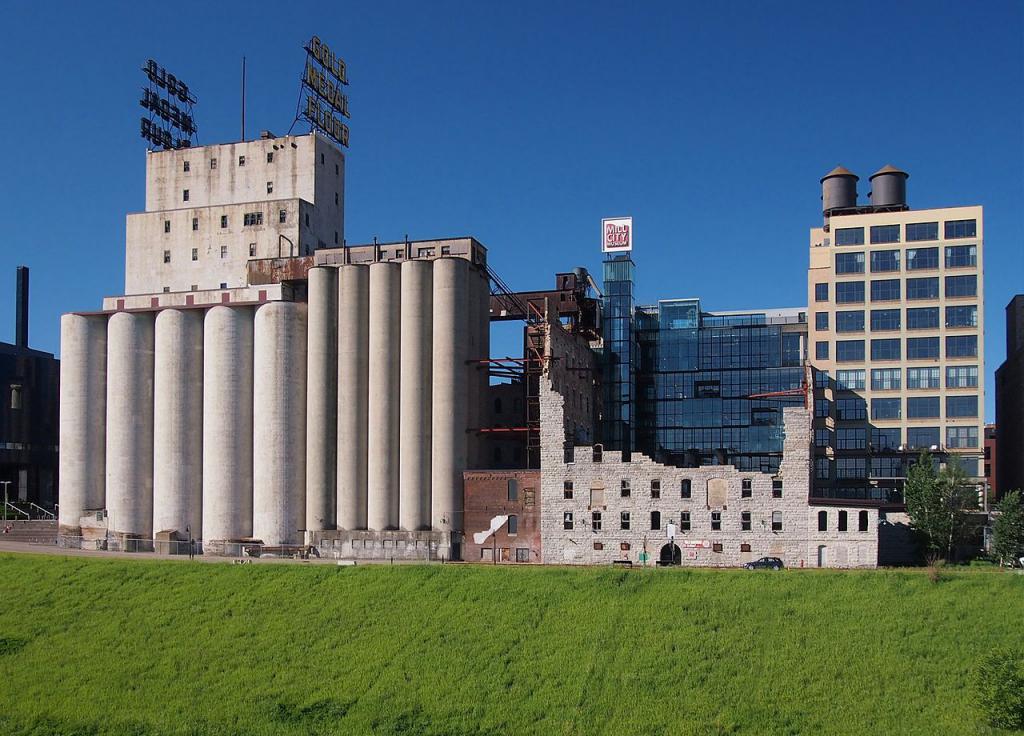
{"points": [[889, 187], [838, 189]]}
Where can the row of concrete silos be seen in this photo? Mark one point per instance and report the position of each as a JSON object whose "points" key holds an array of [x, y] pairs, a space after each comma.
{"points": [[352, 411]]}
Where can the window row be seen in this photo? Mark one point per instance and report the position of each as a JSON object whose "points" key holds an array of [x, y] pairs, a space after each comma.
{"points": [[249, 219], [890, 438], [889, 348], [843, 521], [918, 407], [685, 490], [890, 379], [889, 290], [915, 232], [917, 259], [885, 320], [626, 521]]}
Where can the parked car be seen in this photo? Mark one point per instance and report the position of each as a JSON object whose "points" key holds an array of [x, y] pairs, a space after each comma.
{"points": [[765, 563]]}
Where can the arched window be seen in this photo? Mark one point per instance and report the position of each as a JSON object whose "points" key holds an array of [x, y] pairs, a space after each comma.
{"points": [[862, 521], [822, 521], [842, 521], [513, 525], [597, 453]]}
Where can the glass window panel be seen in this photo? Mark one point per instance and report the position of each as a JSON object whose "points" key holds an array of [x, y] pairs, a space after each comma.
{"points": [[851, 439], [821, 292], [885, 319], [885, 349], [962, 316], [821, 350], [885, 408], [961, 406], [849, 292], [922, 436], [919, 259], [922, 407], [849, 263], [961, 256], [962, 376], [850, 236], [885, 379], [923, 288], [922, 231], [821, 320], [851, 409], [920, 348], [885, 233], [962, 285], [885, 290], [885, 438], [960, 437], [961, 229], [885, 260], [850, 380], [849, 350], [961, 346], [850, 321], [922, 318], [922, 378]]}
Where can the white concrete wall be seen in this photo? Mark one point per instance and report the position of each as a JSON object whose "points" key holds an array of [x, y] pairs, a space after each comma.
{"points": [[322, 400]]}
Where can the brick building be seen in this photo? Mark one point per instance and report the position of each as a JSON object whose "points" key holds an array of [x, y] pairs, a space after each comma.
{"points": [[511, 493]]}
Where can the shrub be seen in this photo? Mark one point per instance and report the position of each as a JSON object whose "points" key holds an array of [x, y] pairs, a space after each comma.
{"points": [[999, 684]]}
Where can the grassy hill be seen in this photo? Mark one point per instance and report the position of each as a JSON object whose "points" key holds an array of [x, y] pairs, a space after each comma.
{"points": [[101, 646]]}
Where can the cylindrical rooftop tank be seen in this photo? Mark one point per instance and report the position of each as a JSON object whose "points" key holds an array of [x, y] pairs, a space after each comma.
{"points": [[889, 187], [838, 189]]}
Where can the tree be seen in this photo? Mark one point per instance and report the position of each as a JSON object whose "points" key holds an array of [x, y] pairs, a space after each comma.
{"points": [[938, 504], [1008, 527]]}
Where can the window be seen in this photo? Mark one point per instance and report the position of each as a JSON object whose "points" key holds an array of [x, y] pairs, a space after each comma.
{"points": [[885, 438], [624, 489], [270, 157], [167, 226], [282, 216], [745, 521], [850, 292], [885, 290], [567, 489], [597, 453], [926, 288], [223, 221], [885, 408], [821, 350], [885, 349], [252, 250], [307, 219], [922, 348], [962, 316], [522, 554], [961, 406], [961, 229], [922, 437], [851, 439], [885, 379], [15, 396], [921, 259], [223, 284], [195, 254], [922, 407], [849, 351], [885, 319], [922, 231], [684, 521], [851, 409], [250, 219], [716, 521], [885, 260], [862, 521], [595, 521], [185, 166], [166, 289], [567, 520], [213, 163], [776, 487], [655, 489], [885, 233], [195, 223], [842, 521], [961, 346], [922, 377], [513, 489], [270, 187], [821, 379], [184, 195], [321, 159], [624, 521], [960, 437], [241, 160], [922, 318], [684, 488], [822, 438], [167, 256], [822, 468], [821, 292], [513, 524], [776, 521], [821, 320], [745, 488], [962, 285], [655, 520], [850, 321], [822, 521], [851, 467], [961, 256], [887, 467], [850, 380], [849, 263], [596, 496], [961, 376], [850, 236], [336, 198], [223, 251]]}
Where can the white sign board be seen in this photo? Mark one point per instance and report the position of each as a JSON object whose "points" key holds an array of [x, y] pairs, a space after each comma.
{"points": [[671, 528], [616, 234]]}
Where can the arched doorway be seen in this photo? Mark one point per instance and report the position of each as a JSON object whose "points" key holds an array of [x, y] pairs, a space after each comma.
{"points": [[822, 555], [670, 555]]}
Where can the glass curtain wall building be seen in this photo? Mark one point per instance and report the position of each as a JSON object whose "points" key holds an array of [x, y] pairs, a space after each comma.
{"points": [[618, 429]]}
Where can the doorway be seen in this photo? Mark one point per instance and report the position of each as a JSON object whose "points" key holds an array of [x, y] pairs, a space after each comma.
{"points": [[671, 555]]}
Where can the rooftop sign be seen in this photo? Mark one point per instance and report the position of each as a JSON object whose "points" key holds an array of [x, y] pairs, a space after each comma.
{"points": [[616, 234], [169, 101], [321, 99]]}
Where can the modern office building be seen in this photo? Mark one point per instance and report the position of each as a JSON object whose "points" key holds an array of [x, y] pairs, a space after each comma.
{"points": [[1010, 403], [896, 336]]}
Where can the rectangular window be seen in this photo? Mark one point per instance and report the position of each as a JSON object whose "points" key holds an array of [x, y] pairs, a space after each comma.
{"points": [[195, 223], [185, 166], [961, 437], [270, 187], [821, 292], [821, 350], [595, 521], [513, 525], [848, 351], [961, 256], [922, 259], [843, 521], [885, 260], [270, 157], [684, 488], [922, 348], [922, 407], [822, 468], [961, 346], [850, 236], [745, 521], [716, 521], [776, 487], [922, 378], [961, 229], [241, 160], [282, 216], [885, 319], [885, 290], [655, 520], [567, 489], [252, 250], [851, 410], [926, 288], [885, 438], [167, 256], [966, 316], [851, 467], [962, 285], [821, 320], [522, 554], [624, 521], [821, 379], [885, 233], [567, 520], [850, 292], [624, 489], [822, 407], [195, 254], [962, 376], [655, 489], [850, 321], [887, 467], [213, 163], [885, 408], [922, 436], [922, 231], [885, 379], [223, 221], [885, 349], [223, 251], [223, 284], [922, 318], [250, 219], [776, 521], [184, 195], [849, 263], [961, 406], [822, 438], [746, 488], [684, 521], [167, 226], [850, 380], [851, 439]]}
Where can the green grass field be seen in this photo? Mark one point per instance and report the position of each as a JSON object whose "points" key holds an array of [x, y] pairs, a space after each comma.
{"points": [[102, 646]]}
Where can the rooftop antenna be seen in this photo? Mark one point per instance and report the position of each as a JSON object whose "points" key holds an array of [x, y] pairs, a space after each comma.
{"points": [[243, 99]]}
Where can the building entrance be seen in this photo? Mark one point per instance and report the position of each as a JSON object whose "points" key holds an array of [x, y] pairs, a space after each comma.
{"points": [[671, 555]]}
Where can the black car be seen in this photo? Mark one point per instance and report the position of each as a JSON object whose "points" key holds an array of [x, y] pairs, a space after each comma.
{"points": [[765, 563]]}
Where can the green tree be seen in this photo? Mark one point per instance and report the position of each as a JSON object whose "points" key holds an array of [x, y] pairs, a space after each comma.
{"points": [[938, 504], [1008, 528]]}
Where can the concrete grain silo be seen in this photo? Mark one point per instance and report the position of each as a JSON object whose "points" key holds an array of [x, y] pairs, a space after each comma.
{"points": [[178, 423], [83, 399], [416, 387], [353, 393], [322, 400], [482, 308], [227, 426], [129, 445], [384, 395], [279, 423]]}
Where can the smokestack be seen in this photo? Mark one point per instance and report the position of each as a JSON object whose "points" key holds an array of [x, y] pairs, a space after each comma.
{"points": [[21, 324]]}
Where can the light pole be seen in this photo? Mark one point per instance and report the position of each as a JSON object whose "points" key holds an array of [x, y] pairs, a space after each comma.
{"points": [[6, 484]]}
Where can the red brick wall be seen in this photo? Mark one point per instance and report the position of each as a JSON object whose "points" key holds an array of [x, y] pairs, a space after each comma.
{"points": [[486, 496]]}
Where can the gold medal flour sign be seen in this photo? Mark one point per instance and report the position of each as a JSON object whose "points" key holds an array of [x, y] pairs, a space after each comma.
{"points": [[323, 80]]}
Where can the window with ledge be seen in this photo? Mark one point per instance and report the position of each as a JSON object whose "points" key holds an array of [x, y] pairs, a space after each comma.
{"points": [[852, 409], [961, 437], [851, 438], [595, 521], [684, 521], [842, 521], [885, 379], [885, 438], [684, 488], [962, 316], [195, 254], [961, 229], [885, 290], [850, 321], [850, 292], [241, 160], [746, 488], [167, 226], [922, 318], [961, 346], [962, 285], [918, 378], [195, 223], [885, 260], [716, 521], [918, 437], [567, 521], [166, 289], [223, 251], [960, 376], [922, 259], [567, 489], [270, 157], [821, 350], [850, 380], [885, 234], [821, 320], [745, 521], [184, 195], [624, 521], [923, 288], [513, 489], [850, 351], [223, 284], [776, 521], [822, 521], [862, 521], [513, 525], [850, 236], [849, 263], [922, 407], [885, 408], [624, 489], [917, 231], [252, 250], [961, 406], [223, 221], [922, 348], [821, 292], [185, 166], [167, 256], [655, 489], [251, 219], [776, 487], [213, 163], [883, 320], [655, 520], [961, 256], [270, 187]]}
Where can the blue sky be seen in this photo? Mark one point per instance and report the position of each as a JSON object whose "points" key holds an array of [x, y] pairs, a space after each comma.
{"points": [[523, 124]]}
